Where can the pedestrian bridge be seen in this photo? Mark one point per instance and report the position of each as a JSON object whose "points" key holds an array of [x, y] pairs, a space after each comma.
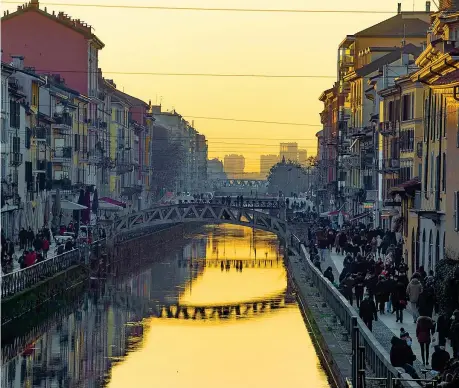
{"points": [[244, 309], [204, 213]]}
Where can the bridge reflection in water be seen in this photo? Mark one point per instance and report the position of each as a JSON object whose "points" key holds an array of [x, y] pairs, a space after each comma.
{"points": [[161, 326]]}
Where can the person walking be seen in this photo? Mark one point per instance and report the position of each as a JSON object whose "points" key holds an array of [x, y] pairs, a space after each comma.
{"points": [[367, 311], [23, 239], [398, 298], [30, 238], [426, 301], [443, 325], [413, 290], [454, 333], [382, 293], [359, 288], [424, 327], [45, 247]]}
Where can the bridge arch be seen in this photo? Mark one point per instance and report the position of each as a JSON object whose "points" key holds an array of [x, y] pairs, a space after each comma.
{"points": [[203, 213]]}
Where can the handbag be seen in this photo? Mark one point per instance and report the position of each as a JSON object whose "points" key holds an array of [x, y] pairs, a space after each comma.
{"points": [[402, 302]]}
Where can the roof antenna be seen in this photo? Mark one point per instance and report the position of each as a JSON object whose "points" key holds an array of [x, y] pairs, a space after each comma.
{"points": [[404, 35]]}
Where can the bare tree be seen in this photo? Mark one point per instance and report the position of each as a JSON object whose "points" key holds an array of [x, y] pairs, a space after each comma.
{"points": [[167, 157]]}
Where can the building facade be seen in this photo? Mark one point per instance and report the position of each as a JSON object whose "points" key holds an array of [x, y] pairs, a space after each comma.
{"points": [[266, 162]]}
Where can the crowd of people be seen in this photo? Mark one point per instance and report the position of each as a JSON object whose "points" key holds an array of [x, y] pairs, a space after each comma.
{"points": [[375, 278], [34, 247]]}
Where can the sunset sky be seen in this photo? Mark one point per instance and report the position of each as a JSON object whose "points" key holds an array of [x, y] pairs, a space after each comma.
{"points": [[143, 40]]}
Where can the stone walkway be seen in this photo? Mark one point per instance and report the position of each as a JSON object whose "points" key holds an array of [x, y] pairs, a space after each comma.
{"points": [[386, 326]]}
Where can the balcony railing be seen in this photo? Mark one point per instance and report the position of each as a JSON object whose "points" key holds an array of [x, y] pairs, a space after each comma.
{"points": [[15, 159], [387, 128], [123, 167], [63, 154], [390, 165], [63, 121]]}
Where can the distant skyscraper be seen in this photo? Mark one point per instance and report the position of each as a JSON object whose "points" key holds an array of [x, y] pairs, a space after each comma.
{"points": [[289, 151], [302, 157], [266, 162], [234, 166]]}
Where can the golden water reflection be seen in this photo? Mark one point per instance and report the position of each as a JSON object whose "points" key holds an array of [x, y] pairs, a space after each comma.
{"points": [[268, 350], [180, 321]]}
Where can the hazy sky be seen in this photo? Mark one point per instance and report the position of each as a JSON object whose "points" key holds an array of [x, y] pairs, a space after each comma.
{"points": [[230, 42]]}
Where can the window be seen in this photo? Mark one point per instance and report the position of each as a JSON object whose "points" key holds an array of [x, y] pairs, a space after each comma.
{"points": [[429, 263], [35, 91], [407, 107], [16, 144], [390, 111], [444, 172], [416, 266], [456, 211], [437, 248], [15, 114], [423, 246]]}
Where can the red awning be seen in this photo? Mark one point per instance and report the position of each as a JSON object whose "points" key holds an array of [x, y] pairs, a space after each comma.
{"points": [[406, 186], [112, 201]]}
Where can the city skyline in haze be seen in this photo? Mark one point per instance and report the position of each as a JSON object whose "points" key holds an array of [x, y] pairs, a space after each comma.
{"points": [[211, 42]]}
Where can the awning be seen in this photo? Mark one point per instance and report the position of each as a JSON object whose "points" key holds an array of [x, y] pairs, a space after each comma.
{"points": [[9, 208], [109, 206], [69, 205], [112, 201], [412, 184], [360, 216]]}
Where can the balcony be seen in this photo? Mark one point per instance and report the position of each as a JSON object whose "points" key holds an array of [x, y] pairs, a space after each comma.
{"points": [[62, 155], [63, 184], [40, 134], [63, 121], [346, 61], [123, 167], [388, 128], [15, 159], [390, 165], [84, 156]]}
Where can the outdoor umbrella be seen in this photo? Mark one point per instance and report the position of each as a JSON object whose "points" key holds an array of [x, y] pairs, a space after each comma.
{"points": [[46, 211], [87, 203], [56, 210], [95, 202], [28, 215], [76, 213]]}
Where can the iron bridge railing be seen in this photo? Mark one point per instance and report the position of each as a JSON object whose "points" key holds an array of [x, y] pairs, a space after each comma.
{"points": [[376, 357], [18, 281]]}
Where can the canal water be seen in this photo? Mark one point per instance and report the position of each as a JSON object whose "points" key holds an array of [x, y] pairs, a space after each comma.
{"points": [[216, 311]]}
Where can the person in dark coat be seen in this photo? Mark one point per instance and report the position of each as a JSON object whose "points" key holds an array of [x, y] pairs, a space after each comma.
{"points": [[329, 274], [30, 237], [359, 287], [424, 328], [443, 325], [426, 301], [367, 311], [381, 293], [454, 333], [390, 285], [370, 283], [398, 298], [346, 286], [440, 358], [37, 243], [402, 356], [22, 239]]}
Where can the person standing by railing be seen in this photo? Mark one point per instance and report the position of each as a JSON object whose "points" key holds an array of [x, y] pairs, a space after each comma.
{"points": [[45, 247]]}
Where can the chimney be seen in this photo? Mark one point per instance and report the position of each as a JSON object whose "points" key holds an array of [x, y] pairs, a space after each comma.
{"points": [[18, 62], [427, 6], [35, 4], [399, 8]]}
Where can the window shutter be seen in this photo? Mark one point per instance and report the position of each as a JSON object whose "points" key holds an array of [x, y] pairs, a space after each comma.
{"points": [[28, 137], [456, 212], [16, 144], [18, 115]]}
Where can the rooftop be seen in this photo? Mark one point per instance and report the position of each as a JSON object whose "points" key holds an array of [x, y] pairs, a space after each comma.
{"points": [[61, 18], [405, 24]]}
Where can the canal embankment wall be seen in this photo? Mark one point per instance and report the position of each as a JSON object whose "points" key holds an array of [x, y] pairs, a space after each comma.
{"points": [[329, 317]]}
